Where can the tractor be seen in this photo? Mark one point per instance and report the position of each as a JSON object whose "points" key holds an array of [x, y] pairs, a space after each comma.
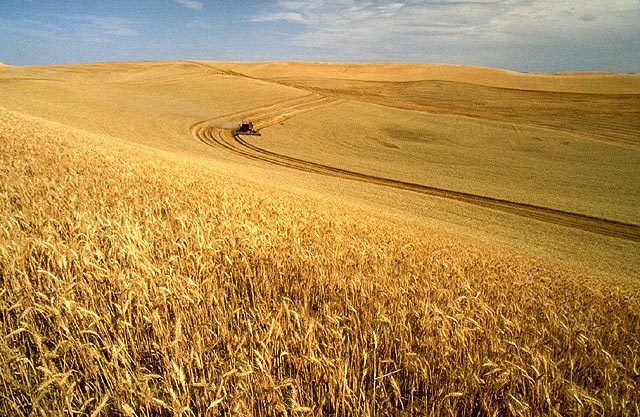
{"points": [[246, 128]]}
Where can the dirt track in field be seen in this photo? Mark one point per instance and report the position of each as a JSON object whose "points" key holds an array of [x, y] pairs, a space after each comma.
{"points": [[212, 133]]}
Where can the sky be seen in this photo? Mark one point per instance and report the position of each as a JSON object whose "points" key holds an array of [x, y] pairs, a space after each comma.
{"points": [[521, 35]]}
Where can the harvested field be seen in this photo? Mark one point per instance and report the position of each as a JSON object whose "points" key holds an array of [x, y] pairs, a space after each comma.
{"points": [[371, 253]]}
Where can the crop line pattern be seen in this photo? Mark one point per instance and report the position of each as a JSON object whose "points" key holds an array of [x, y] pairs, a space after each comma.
{"points": [[208, 132]]}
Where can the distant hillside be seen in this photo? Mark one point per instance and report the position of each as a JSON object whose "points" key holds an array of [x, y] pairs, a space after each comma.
{"points": [[575, 82]]}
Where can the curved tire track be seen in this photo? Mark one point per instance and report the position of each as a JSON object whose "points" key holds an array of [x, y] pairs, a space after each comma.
{"points": [[211, 134]]}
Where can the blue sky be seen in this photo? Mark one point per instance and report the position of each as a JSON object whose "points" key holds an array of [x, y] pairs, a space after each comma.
{"points": [[523, 35]]}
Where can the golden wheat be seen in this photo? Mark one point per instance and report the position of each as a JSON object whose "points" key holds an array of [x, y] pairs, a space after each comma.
{"points": [[135, 283]]}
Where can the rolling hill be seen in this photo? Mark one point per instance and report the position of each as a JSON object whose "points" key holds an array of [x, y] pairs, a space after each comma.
{"points": [[402, 239]]}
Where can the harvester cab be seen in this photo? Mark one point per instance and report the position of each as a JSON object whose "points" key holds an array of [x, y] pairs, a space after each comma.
{"points": [[246, 128]]}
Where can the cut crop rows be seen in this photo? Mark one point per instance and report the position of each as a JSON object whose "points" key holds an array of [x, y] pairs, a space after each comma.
{"points": [[211, 133]]}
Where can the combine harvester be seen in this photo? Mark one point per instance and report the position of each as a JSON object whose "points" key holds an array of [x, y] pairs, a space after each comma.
{"points": [[246, 128]]}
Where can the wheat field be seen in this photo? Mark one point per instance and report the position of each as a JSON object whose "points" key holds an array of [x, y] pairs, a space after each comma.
{"points": [[147, 273]]}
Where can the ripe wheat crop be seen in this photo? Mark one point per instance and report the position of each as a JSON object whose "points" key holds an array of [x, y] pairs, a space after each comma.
{"points": [[134, 283]]}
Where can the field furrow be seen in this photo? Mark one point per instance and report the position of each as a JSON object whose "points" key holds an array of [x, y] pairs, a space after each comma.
{"points": [[400, 240], [208, 133]]}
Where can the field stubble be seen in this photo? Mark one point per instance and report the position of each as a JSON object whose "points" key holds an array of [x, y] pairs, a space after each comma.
{"points": [[134, 283], [560, 158]]}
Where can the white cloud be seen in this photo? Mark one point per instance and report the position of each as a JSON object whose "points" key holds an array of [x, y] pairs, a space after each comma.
{"points": [[30, 27], [281, 16], [105, 25], [96, 29], [74, 28], [191, 4], [463, 31]]}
